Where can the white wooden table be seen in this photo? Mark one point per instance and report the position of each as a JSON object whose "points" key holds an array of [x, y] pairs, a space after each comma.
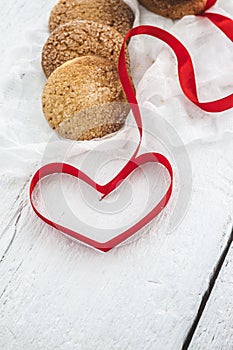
{"points": [[160, 292]]}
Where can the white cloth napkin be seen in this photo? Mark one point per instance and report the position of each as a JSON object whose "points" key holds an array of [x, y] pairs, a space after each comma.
{"points": [[169, 119]]}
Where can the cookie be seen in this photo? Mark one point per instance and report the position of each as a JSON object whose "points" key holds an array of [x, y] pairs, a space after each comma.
{"points": [[174, 9], [80, 38], [94, 122], [114, 13], [80, 99]]}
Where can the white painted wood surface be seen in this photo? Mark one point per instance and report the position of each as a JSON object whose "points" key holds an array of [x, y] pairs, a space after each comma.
{"points": [[56, 294], [215, 330]]}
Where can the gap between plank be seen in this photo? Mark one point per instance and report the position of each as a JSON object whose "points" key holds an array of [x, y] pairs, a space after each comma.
{"points": [[207, 294]]}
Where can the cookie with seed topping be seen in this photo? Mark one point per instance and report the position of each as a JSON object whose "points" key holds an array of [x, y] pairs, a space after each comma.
{"points": [[175, 9], [83, 99], [80, 38], [114, 13]]}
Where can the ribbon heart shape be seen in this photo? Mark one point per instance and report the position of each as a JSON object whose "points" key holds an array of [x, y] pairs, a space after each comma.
{"points": [[105, 190], [188, 84]]}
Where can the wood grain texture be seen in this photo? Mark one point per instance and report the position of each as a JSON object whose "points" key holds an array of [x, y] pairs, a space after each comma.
{"points": [[57, 294], [215, 330]]}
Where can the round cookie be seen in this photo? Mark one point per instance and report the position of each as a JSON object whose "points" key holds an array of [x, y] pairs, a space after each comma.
{"points": [[174, 9], [80, 38], [94, 122], [80, 99], [114, 13]]}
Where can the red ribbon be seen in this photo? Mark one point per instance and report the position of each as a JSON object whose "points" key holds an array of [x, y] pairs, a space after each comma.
{"points": [[209, 4], [188, 85]]}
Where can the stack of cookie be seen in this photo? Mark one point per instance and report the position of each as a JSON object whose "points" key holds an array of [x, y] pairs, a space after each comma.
{"points": [[83, 97]]}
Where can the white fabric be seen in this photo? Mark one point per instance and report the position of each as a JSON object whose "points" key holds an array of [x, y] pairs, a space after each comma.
{"points": [[169, 119]]}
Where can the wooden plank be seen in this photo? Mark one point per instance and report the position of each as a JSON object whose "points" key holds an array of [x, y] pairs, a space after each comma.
{"points": [[215, 330], [58, 294]]}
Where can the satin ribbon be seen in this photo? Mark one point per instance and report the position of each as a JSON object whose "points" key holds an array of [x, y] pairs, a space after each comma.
{"points": [[188, 84], [209, 4]]}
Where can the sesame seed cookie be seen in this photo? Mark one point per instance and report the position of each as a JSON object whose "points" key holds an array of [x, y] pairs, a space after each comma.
{"points": [[114, 13], [174, 9], [78, 97], [80, 38]]}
